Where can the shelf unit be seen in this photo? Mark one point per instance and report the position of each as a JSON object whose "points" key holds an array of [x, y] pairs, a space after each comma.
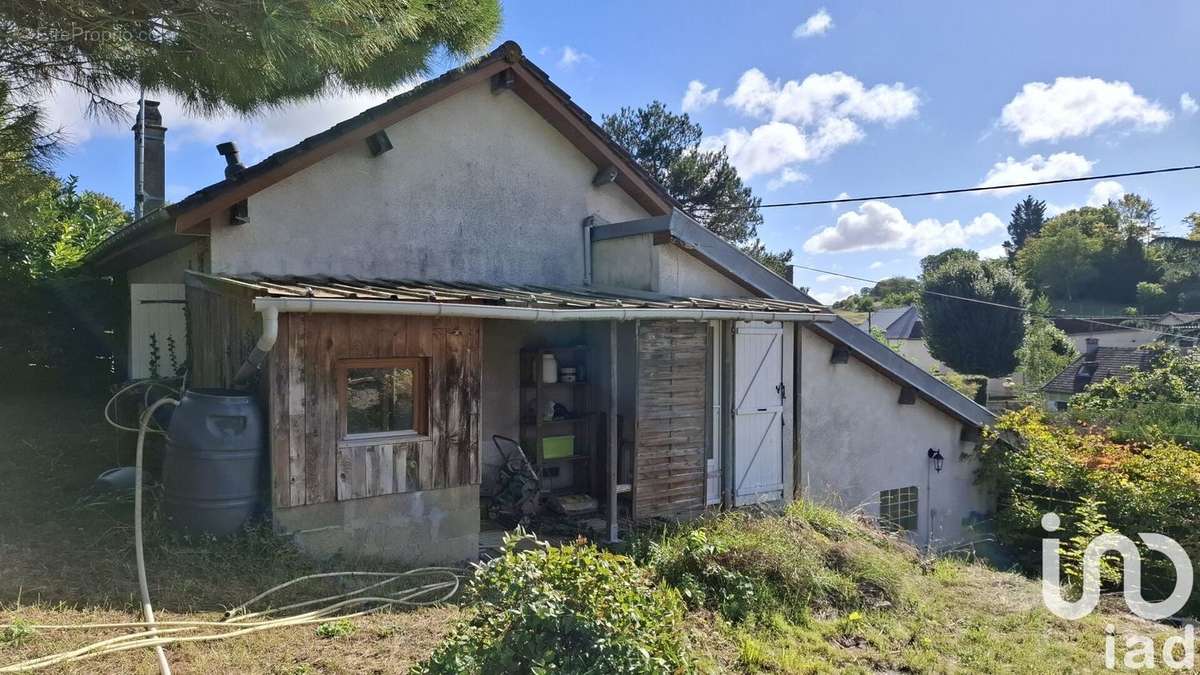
{"points": [[535, 399]]}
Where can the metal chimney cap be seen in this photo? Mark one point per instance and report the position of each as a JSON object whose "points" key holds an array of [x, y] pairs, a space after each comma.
{"points": [[153, 116]]}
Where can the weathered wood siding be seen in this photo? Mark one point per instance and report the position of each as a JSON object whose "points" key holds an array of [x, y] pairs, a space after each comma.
{"points": [[222, 327], [308, 464], [669, 452]]}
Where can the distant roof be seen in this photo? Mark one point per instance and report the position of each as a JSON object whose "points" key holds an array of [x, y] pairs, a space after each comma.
{"points": [[1178, 319], [509, 295], [898, 323], [1118, 362], [1072, 325]]}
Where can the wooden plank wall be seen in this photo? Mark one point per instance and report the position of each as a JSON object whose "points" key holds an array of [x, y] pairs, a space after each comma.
{"points": [[223, 328], [309, 466], [669, 447]]}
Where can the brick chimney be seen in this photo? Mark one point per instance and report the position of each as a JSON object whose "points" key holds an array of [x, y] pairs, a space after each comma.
{"points": [[1092, 346], [154, 172]]}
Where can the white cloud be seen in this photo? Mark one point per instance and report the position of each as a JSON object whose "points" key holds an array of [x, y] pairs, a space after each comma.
{"points": [[876, 265], [993, 252], [1103, 191], [698, 97], [825, 278], [820, 96], [817, 24], [830, 297], [572, 57], [1188, 104], [984, 224], [786, 177], [1036, 168], [840, 195], [805, 121], [879, 225], [1077, 106]]}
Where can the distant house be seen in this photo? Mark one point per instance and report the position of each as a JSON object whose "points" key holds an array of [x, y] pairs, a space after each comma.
{"points": [[903, 328], [1097, 364], [1109, 331]]}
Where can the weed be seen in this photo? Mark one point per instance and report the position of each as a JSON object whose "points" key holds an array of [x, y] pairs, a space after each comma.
{"points": [[17, 633], [335, 629]]}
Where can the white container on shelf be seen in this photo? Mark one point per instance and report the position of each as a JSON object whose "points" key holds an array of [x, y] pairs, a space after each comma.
{"points": [[549, 369]]}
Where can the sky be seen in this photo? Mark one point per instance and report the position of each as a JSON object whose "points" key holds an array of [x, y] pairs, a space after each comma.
{"points": [[820, 100]]}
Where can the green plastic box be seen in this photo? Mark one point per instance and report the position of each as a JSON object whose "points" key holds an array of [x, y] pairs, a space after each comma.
{"points": [[557, 447]]}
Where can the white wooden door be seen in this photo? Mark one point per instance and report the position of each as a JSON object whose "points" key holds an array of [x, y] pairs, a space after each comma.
{"points": [[156, 310], [758, 412]]}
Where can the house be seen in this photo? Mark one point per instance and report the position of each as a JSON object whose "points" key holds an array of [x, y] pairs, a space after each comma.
{"points": [[1098, 363], [902, 327], [1108, 331], [410, 280]]}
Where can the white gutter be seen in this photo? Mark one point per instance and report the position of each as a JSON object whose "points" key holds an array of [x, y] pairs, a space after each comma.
{"points": [[418, 308]]}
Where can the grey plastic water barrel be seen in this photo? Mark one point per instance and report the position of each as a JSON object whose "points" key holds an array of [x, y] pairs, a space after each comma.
{"points": [[214, 464]]}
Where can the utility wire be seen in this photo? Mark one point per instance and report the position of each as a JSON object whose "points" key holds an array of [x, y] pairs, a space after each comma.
{"points": [[1024, 310], [977, 188]]}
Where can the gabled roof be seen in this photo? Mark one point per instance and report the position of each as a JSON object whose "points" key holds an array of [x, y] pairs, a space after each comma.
{"points": [[192, 214], [1178, 319], [897, 323], [1118, 362]]}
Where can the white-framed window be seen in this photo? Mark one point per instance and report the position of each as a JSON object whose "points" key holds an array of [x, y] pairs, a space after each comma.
{"points": [[898, 508]]}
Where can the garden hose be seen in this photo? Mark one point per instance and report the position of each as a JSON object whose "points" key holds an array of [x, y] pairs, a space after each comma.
{"points": [[237, 621]]}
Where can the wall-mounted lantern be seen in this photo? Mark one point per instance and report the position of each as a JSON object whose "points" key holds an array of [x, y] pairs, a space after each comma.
{"points": [[935, 456]]}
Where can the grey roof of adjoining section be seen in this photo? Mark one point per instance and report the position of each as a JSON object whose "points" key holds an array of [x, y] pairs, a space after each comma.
{"points": [[725, 256], [701, 242], [882, 358], [1118, 362]]}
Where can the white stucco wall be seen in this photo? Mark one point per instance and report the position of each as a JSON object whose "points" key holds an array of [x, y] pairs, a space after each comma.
{"points": [[636, 262], [477, 187], [857, 440], [169, 268]]}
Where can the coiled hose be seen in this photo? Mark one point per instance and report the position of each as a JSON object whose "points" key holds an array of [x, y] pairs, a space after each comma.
{"points": [[237, 621]]}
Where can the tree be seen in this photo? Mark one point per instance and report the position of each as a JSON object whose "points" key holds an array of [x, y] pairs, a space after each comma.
{"points": [[1138, 219], [1059, 260], [233, 54], [704, 183], [932, 262], [1046, 349], [1192, 220], [973, 337], [62, 225], [890, 292], [1026, 221]]}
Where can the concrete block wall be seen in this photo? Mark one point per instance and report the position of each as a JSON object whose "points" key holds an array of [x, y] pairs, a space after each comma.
{"points": [[414, 529]]}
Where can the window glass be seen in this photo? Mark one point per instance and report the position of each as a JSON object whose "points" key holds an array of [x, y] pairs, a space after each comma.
{"points": [[380, 400], [898, 508]]}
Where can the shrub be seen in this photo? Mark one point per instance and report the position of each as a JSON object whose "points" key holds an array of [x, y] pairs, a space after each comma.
{"points": [[565, 609], [808, 559], [17, 633], [1095, 484], [1152, 298]]}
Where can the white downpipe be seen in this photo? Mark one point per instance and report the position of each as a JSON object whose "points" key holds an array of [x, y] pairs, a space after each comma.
{"points": [[417, 308], [270, 333]]}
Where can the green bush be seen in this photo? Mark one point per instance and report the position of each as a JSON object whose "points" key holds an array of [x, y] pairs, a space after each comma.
{"points": [[808, 559], [565, 609], [1095, 484], [1152, 298]]}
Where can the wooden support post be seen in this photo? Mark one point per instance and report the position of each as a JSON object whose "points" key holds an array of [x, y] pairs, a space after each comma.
{"points": [[612, 432]]}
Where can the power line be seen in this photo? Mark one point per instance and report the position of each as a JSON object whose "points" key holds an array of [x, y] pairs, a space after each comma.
{"points": [[951, 191], [1024, 310]]}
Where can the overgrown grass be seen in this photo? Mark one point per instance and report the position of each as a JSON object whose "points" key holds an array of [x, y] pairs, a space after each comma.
{"points": [[811, 590]]}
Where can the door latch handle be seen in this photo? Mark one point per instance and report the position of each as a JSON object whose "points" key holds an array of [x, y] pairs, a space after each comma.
{"points": [[781, 390]]}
